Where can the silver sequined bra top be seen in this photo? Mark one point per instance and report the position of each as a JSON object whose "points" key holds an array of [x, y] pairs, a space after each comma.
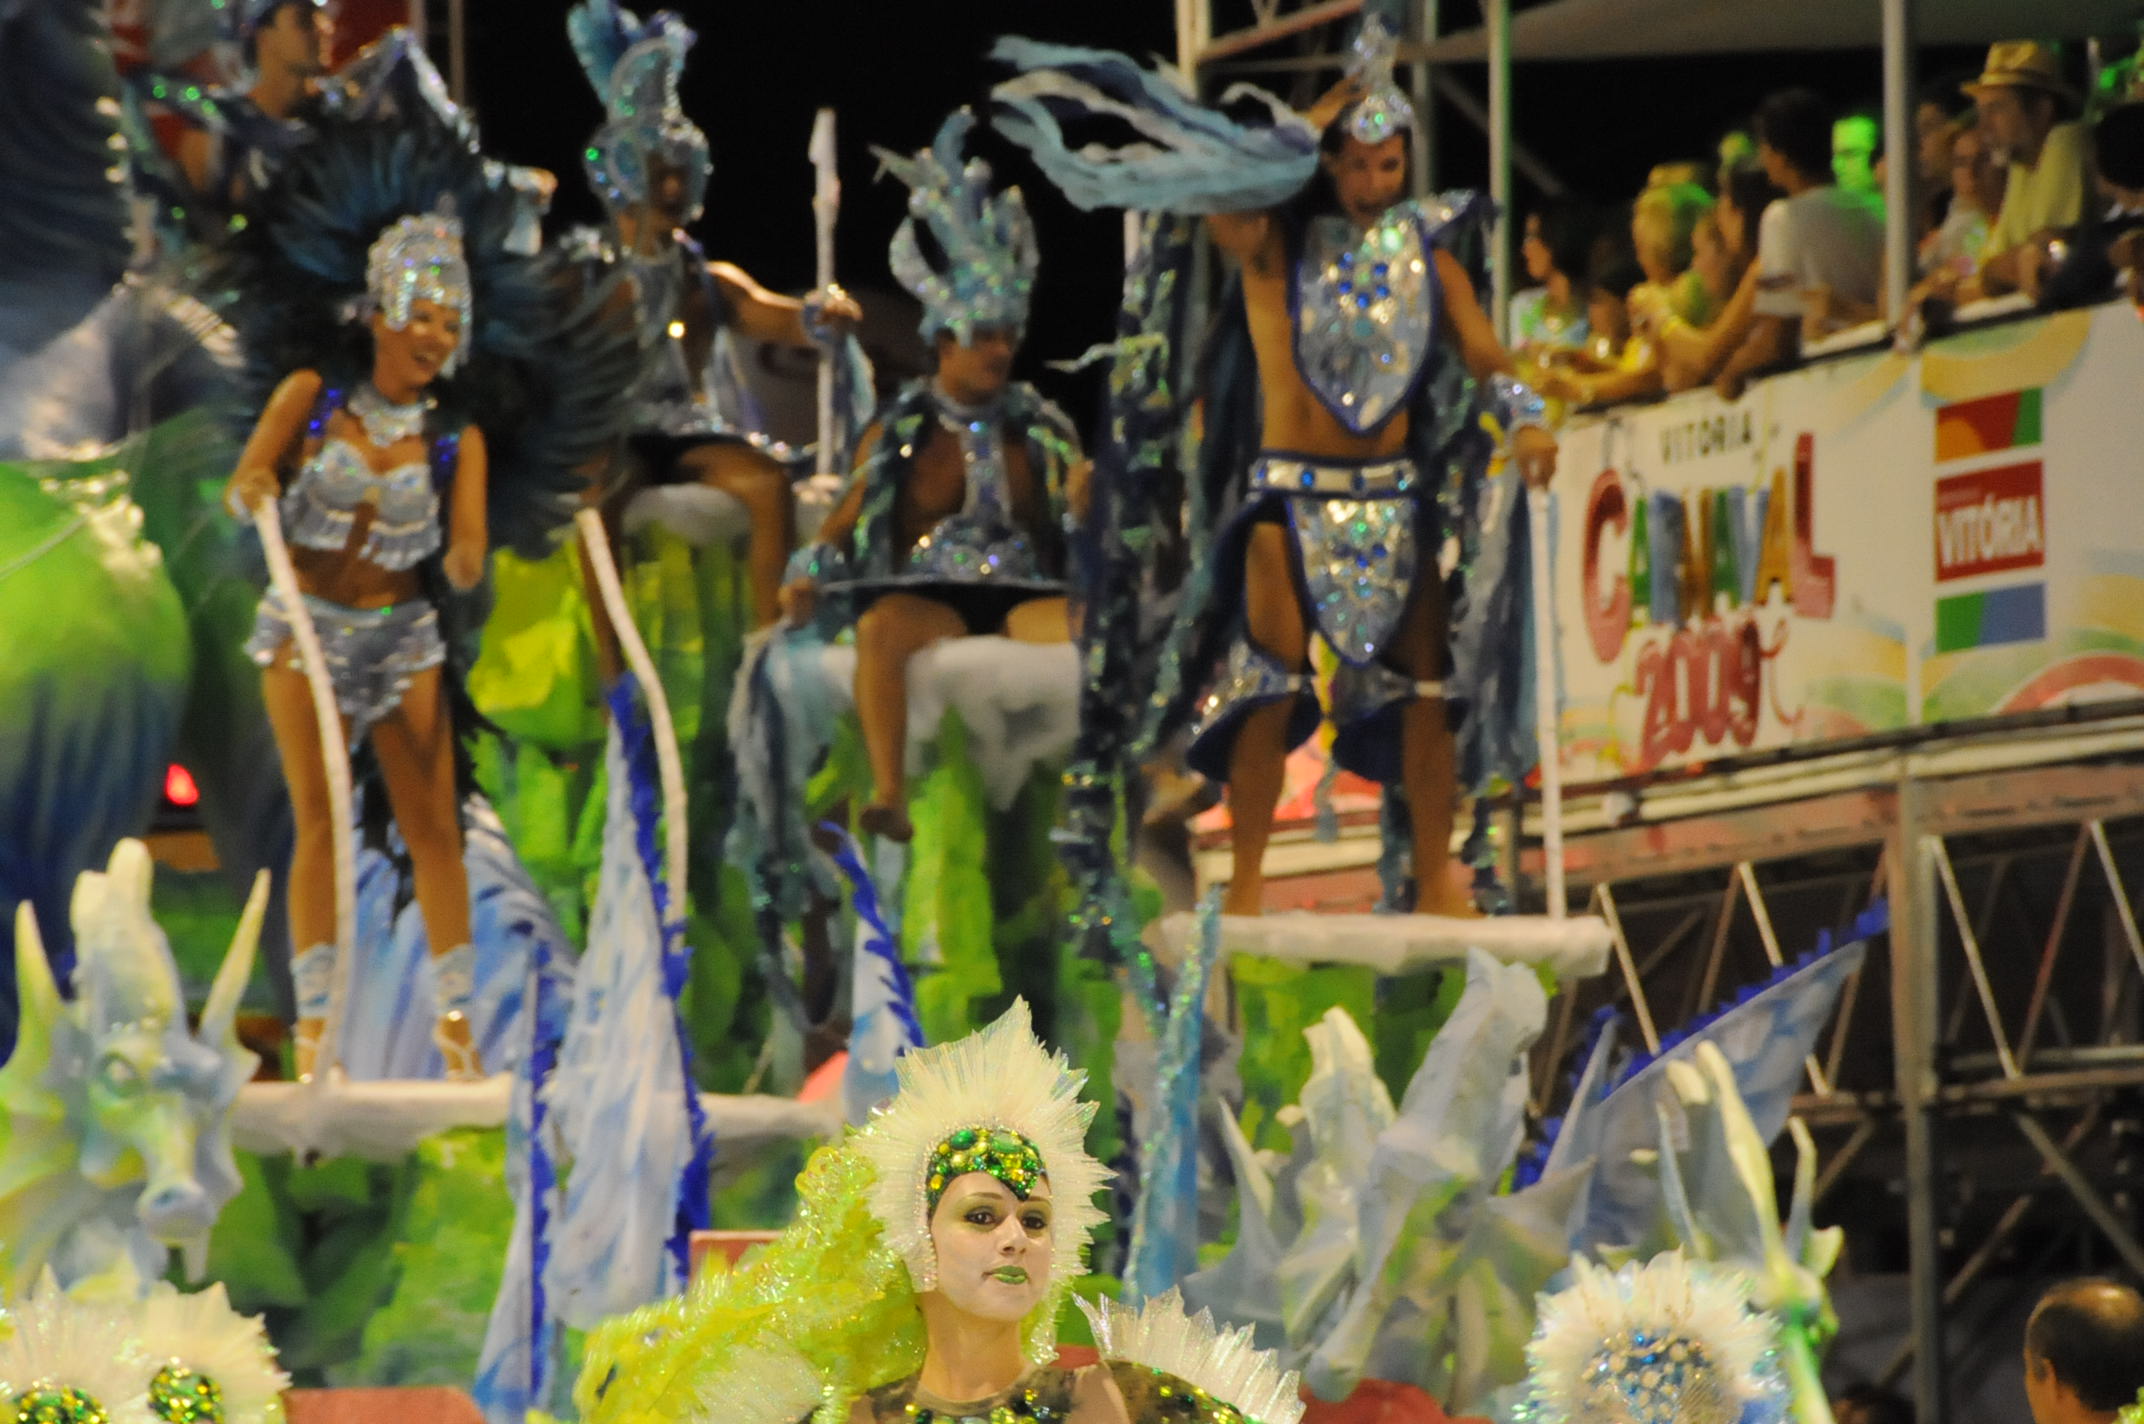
{"points": [[320, 507], [1365, 306]]}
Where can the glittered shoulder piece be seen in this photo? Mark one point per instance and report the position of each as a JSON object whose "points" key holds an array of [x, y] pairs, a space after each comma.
{"points": [[1366, 305], [1219, 1365]]}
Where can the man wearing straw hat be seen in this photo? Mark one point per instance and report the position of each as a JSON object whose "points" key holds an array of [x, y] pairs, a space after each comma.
{"points": [[2024, 105]]}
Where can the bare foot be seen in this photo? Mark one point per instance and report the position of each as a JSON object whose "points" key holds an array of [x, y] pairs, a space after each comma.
{"points": [[1450, 893], [890, 822], [1244, 897]]}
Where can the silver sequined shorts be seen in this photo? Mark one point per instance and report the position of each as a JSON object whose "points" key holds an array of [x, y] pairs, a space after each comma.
{"points": [[372, 653]]}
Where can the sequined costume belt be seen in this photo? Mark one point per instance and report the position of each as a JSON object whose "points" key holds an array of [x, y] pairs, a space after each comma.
{"points": [[372, 654], [1355, 541], [1295, 474]]}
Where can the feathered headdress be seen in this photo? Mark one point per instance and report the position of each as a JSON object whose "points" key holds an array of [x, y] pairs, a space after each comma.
{"points": [[999, 1081], [634, 66], [203, 1353], [966, 253], [71, 1359], [1670, 1342], [1383, 110]]}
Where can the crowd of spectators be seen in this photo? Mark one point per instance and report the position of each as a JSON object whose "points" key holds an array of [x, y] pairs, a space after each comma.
{"points": [[1716, 272]]}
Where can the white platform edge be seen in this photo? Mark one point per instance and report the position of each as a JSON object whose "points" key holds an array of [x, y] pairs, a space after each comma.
{"points": [[1401, 944], [384, 1121]]}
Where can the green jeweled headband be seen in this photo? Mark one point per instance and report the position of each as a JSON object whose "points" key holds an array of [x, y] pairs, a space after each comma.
{"points": [[1000, 1151]]}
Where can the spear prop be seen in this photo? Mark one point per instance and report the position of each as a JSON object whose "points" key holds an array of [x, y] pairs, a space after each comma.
{"points": [[825, 207]]}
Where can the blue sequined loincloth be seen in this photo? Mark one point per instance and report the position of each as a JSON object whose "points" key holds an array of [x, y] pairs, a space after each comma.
{"points": [[1357, 542], [372, 654]]}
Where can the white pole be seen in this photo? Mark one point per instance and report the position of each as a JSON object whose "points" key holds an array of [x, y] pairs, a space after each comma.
{"points": [[1547, 703], [669, 767], [1425, 100], [825, 207], [335, 761], [1496, 16]]}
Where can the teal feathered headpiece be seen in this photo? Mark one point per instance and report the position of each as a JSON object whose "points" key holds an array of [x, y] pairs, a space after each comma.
{"points": [[966, 253]]}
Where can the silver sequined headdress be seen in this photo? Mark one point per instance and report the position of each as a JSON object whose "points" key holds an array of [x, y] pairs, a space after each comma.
{"points": [[1383, 110], [978, 269], [420, 259], [634, 66]]}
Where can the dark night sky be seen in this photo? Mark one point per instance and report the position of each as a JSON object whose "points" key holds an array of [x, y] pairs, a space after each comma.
{"points": [[893, 68]]}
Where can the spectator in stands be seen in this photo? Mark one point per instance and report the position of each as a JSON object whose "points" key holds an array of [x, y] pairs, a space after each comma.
{"points": [[1663, 231], [2080, 268], [1616, 362], [1692, 355], [2084, 1352], [1975, 184], [1935, 125], [1736, 151], [1552, 315], [1856, 149], [1663, 226], [2023, 103], [1816, 238]]}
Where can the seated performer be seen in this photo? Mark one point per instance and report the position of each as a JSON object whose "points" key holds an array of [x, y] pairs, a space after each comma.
{"points": [[1365, 474], [694, 419], [952, 525], [922, 1280], [246, 133]]}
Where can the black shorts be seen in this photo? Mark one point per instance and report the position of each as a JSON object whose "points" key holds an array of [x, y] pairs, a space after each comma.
{"points": [[983, 608]]}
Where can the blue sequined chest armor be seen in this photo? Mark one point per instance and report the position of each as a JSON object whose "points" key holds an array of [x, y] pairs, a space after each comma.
{"points": [[1365, 306]]}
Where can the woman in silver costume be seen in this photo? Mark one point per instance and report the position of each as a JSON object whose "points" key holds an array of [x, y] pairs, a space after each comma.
{"points": [[368, 487]]}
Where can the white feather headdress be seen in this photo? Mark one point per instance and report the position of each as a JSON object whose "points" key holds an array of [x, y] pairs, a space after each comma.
{"points": [[196, 1337], [1670, 1342], [1001, 1077], [61, 1345]]}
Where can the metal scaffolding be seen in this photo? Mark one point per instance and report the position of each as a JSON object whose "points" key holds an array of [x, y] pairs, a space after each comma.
{"points": [[1980, 1093], [1978, 1089]]}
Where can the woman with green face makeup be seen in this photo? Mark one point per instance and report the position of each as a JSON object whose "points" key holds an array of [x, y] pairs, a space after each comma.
{"points": [[924, 1277]]}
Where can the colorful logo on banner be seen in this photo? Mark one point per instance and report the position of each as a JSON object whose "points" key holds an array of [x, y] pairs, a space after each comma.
{"points": [[1697, 571], [1990, 522]]}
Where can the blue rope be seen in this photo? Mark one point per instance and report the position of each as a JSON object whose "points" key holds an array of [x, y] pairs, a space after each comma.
{"points": [[636, 740]]}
